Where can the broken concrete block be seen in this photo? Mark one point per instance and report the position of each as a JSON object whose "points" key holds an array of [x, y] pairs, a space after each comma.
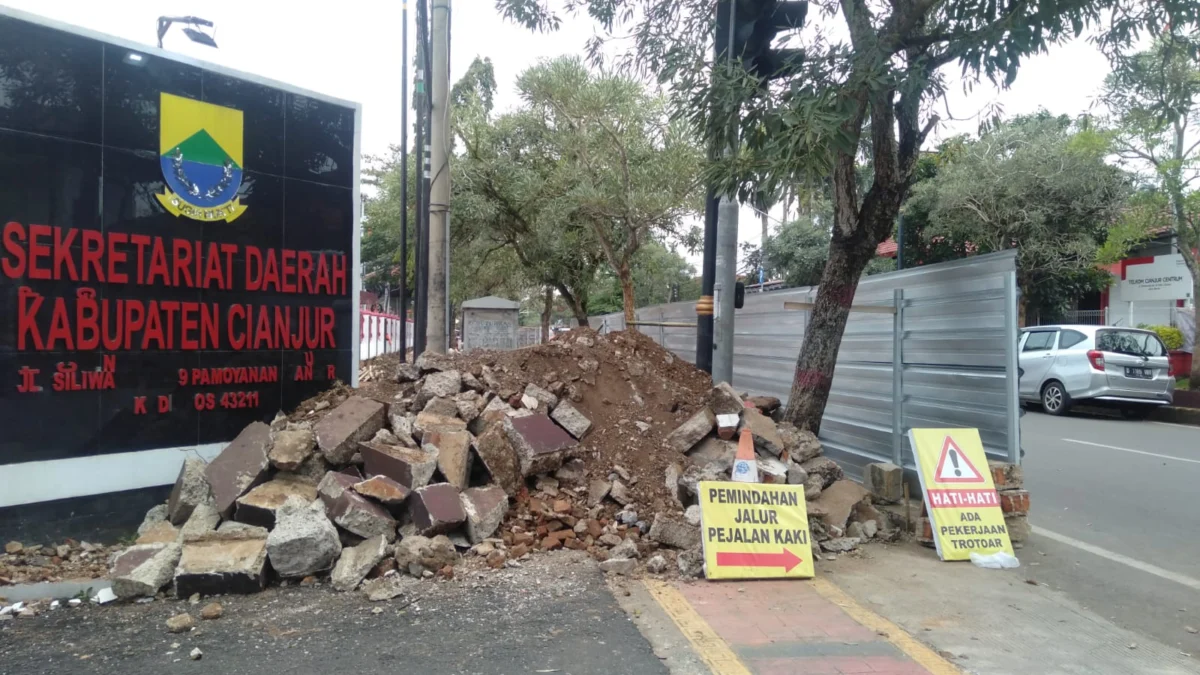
{"points": [[813, 487], [597, 490], [498, 455], [572, 471], [428, 421], [713, 449], [826, 468], [838, 500], [222, 563], [360, 516], [546, 399], [673, 531], [1018, 528], [231, 527], [766, 435], [453, 455], [418, 553], [796, 475], [355, 562], [691, 563], [622, 566], [332, 486], [569, 418], [620, 493], [204, 519], [292, 448], [885, 481], [471, 382], [627, 548], [240, 466], [191, 488], [436, 509], [407, 372], [258, 506], [1006, 476], [303, 542], [485, 508], [468, 409], [338, 433], [801, 444], [691, 432], [383, 490], [443, 407], [161, 532], [723, 400], [410, 467], [765, 404], [541, 444], [142, 570], [401, 426], [694, 475], [840, 544], [656, 564], [443, 384], [313, 469], [155, 516]]}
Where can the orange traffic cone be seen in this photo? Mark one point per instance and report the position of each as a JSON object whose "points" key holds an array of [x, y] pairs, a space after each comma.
{"points": [[745, 466]]}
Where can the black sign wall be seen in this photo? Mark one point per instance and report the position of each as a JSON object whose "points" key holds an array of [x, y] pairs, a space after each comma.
{"points": [[175, 248]]}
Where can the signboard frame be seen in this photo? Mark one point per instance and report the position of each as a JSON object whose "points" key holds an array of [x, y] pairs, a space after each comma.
{"points": [[70, 475]]}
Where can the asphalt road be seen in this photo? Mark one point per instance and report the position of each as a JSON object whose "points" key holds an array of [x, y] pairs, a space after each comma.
{"points": [[554, 615], [1116, 512]]}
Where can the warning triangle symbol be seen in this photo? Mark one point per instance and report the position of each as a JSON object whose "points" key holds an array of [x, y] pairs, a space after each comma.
{"points": [[954, 467]]}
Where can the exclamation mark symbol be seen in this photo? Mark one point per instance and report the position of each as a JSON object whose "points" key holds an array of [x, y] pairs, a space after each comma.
{"points": [[954, 461]]}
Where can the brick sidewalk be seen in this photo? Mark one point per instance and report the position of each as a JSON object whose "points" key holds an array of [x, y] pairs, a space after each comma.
{"points": [[788, 627]]}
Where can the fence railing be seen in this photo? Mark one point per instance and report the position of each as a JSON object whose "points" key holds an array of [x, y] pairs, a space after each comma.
{"points": [[380, 334]]}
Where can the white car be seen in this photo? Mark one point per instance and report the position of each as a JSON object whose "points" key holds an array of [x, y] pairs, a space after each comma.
{"points": [[1125, 368]]}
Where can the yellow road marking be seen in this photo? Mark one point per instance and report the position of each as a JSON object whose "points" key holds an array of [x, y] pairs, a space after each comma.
{"points": [[926, 657], [709, 646]]}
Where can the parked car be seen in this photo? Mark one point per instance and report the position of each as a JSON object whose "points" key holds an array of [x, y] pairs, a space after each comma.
{"points": [[1125, 368]]}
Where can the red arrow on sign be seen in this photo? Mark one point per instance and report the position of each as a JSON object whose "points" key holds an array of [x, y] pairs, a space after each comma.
{"points": [[787, 560]]}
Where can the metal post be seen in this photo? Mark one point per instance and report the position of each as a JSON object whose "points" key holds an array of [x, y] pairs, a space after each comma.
{"points": [[1012, 407], [898, 378], [403, 180], [726, 276]]}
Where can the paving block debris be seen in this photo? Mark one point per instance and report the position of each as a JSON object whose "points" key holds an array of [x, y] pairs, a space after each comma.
{"points": [[222, 563], [191, 489], [453, 455], [674, 531], [383, 490], [240, 466], [142, 570], [259, 505], [570, 418], [355, 562], [485, 509], [885, 482], [436, 509], [691, 432], [541, 444], [292, 447], [339, 432], [304, 541], [410, 467]]}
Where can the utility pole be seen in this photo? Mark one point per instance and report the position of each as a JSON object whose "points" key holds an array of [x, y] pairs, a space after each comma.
{"points": [[723, 295], [403, 180], [421, 106], [439, 191]]}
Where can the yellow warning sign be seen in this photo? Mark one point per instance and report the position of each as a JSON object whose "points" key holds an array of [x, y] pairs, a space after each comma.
{"points": [[752, 531], [964, 509]]}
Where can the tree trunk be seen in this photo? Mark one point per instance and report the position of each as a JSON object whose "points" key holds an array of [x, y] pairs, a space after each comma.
{"points": [[627, 300], [762, 247], [546, 310], [848, 257], [578, 304]]}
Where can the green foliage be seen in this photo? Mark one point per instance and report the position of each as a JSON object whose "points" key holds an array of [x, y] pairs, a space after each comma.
{"points": [[1171, 336], [1038, 184], [660, 275]]}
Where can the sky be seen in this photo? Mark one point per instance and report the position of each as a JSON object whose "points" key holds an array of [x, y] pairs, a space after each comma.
{"points": [[355, 54]]}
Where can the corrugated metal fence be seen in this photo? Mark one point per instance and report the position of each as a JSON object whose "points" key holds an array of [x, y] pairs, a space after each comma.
{"points": [[949, 350]]}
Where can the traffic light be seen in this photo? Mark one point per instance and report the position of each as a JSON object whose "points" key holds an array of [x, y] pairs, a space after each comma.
{"points": [[755, 24]]}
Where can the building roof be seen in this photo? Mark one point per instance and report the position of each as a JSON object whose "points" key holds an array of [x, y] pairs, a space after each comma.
{"points": [[886, 249], [491, 302]]}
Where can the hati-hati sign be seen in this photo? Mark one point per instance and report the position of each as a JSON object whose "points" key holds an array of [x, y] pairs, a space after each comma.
{"points": [[964, 509], [752, 531]]}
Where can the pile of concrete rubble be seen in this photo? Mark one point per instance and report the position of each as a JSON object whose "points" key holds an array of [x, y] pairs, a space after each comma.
{"points": [[482, 460]]}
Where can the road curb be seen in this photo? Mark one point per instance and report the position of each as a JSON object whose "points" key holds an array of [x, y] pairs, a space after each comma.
{"points": [[1174, 415]]}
